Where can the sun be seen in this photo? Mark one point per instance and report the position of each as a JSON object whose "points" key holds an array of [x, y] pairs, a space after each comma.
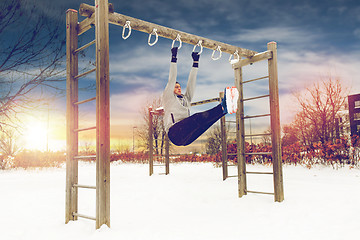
{"points": [[36, 136]]}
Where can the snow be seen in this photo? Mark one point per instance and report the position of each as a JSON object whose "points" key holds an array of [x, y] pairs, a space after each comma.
{"points": [[191, 203]]}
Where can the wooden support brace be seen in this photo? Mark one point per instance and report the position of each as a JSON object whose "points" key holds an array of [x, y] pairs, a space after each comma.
{"points": [[255, 58]]}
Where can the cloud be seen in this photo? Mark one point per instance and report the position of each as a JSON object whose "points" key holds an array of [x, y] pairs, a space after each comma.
{"points": [[285, 35]]}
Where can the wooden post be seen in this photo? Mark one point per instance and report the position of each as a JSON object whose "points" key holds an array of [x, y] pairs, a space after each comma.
{"points": [[167, 150], [102, 114], [223, 142], [240, 134], [71, 115], [151, 143], [275, 124]]}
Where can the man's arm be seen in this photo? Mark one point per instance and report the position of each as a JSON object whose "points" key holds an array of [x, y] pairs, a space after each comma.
{"points": [[169, 89], [190, 87]]}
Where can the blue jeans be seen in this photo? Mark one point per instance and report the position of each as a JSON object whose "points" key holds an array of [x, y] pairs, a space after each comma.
{"points": [[189, 129]]}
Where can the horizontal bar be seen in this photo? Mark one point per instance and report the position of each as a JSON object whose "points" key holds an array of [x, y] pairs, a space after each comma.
{"points": [[205, 101], [258, 135], [85, 25], [233, 176], [85, 157], [260, 172], [85, 46], [260, 192], [84, 186], [159, 165], [147, 27], [85, 101], [253, 98], [255, 58], [255, 79], [83, 216], [232, 154], [85, 73], [259, 153], [257, 116], [232, 165], [84, 129]]}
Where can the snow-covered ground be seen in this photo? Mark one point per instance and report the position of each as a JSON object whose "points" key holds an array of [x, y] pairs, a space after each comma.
{"points": [[191, 203]]}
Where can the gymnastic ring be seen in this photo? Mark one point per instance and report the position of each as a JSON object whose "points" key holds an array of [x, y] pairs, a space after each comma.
{"points": [[200, 45], [127, 25], [236, 53], [156, 37], [178, 38], [217, 49]]}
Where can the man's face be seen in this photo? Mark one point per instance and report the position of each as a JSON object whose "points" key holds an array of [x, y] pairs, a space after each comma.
{"points": [[177, 89]]}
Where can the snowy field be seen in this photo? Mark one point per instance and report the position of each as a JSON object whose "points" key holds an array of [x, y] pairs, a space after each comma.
{"points": [[191, 203]]}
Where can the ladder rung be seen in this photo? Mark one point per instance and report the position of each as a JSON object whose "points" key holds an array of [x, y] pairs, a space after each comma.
{"points": [[260, 192], [232, 165], [258, 135], [259, 153], [85, 101], [256, 116], [85, 46], [83, 216], [85, 157], [85, 73], [232, 154], [255, 79], [259, 172], [230, 121], [253, 98], [233, 176], [84, 186], [158, 165], [84, 129]]}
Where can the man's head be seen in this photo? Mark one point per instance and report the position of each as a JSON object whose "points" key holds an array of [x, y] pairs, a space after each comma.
{"points": [[177, 89]]}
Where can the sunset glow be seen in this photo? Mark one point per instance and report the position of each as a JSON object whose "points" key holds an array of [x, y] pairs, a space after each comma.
{"points": [[36, 136]]}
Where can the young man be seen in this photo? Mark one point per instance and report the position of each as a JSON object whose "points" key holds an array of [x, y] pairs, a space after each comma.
{"points": [[182, 128]]}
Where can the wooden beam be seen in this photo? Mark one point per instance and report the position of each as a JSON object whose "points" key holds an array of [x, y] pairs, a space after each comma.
{"points": [[102, 115], [86, 24], [71, 203], [205, 101], [147, 27], [240, 134], [224, 155], [256, 58], [275, 124], [151, 143]]}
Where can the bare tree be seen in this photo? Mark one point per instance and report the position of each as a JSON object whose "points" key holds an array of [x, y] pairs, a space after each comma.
{"points": [[31, 49], [319, 108], [214, 139], [8, 145]]}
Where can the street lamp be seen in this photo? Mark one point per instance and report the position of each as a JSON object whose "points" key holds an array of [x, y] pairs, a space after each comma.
{"points": [[134, 139]]}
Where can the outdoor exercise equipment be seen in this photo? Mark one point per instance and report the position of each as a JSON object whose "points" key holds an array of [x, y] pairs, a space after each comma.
{"points": [[99, 16]]}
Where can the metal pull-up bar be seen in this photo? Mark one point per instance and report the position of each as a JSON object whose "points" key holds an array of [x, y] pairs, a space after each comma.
{"points": [[147, 27]]}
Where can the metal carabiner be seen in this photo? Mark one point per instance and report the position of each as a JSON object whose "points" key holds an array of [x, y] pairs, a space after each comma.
{"points": [[127, 25], [200, 45], [235, 60], [156, 37], [217, 49], [178, 38]]}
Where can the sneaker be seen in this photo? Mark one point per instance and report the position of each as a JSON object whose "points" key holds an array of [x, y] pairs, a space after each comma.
{"points": [[232, 96]]}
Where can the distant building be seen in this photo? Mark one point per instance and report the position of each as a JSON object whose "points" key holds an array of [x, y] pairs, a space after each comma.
{"points": [[354, 113]]}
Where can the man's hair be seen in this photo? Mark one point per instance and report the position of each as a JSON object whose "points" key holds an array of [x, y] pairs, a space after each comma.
{"points": [[177, 83]]}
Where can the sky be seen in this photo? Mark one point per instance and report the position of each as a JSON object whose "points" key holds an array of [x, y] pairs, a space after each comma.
{"points": [[316, 40]]}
